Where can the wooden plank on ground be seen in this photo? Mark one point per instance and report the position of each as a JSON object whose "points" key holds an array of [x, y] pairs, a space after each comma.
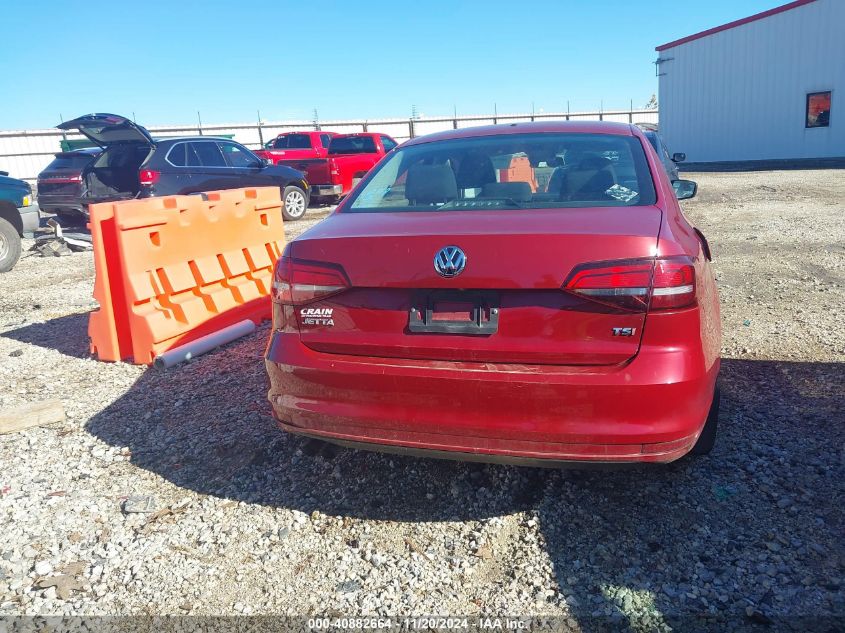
{"points": [[29, 415]]}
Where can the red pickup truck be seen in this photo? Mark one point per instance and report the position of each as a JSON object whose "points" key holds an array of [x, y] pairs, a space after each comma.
{"points": [[296, 146], [349, 158]]}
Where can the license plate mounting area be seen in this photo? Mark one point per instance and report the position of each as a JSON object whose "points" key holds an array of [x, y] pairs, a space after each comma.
{"points": [[454, 312]]}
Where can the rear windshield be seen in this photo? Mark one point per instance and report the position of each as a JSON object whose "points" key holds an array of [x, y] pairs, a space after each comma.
{"points": [[512, 171], [352, 145], [292, 141], [70, 161]]}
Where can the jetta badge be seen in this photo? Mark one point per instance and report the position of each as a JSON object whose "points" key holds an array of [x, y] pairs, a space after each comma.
{"points": [[450, 261]]}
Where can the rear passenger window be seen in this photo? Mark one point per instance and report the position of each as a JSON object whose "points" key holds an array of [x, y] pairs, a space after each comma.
{"points": [[209, 154], [237, 156], [192, 159], [388, 143], [176, 156], [325, 139]]}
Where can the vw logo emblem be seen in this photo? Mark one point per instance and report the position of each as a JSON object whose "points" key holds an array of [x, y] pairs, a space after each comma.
{"points": [[450, 261]]}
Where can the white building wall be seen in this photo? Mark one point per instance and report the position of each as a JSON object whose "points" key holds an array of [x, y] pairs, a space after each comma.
{"points": [[740, 94]]}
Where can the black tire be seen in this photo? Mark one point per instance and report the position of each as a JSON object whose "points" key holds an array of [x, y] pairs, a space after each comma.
{"points": [[10, 246], [295, 203], [708, 435]]}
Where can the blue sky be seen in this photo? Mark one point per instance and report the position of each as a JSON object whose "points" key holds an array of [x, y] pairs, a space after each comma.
{"points": [[163, 61]]}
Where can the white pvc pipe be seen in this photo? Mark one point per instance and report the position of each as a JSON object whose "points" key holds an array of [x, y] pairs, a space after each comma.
{"points": [[203, 344]]}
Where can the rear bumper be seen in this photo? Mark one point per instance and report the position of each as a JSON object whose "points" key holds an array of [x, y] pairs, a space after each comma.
{"points": [[60, 204], [651, 409], [326, 190], [31, 218]]}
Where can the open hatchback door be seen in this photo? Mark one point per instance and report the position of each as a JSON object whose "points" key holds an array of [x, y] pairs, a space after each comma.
{"points": [[106, 129]]}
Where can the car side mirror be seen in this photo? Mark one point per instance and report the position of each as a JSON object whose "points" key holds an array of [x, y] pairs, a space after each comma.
{"points": [[266, 162], [678, 157], [684, 189]]}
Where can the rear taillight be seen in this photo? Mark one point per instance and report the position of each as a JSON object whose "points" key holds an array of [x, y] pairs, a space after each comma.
{"points": [[298, 282], [673, 285], [636, 284], [59, 179], [333, 168], [148, 176]]}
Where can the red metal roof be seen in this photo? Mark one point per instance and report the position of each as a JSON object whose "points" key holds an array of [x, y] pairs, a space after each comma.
{"points": [[735, 23]]}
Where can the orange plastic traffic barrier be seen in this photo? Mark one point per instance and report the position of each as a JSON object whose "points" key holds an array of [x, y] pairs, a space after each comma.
{"points": [[173, 269]]}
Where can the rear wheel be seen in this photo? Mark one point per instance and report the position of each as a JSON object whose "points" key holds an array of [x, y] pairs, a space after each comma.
{"points": [[10, 246], [295, 203], [708, 435]]}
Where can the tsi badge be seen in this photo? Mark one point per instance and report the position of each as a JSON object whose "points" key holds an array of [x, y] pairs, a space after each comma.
{"points": [[317, 316], [624, 331]]}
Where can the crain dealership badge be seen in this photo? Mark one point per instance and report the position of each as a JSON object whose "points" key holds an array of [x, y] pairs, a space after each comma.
{"points": [[450, 261], [317, 316]]}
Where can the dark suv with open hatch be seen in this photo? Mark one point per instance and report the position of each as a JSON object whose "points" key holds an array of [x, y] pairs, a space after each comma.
{"points": [[135, 165]]}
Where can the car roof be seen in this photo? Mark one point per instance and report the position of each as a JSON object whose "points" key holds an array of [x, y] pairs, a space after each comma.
{"points": [[305, 132], [166, 139], [351, 134], [536, 127]]}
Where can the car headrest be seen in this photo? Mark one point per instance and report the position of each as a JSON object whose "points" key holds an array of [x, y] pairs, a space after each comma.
{"points": [[518, 191], [427, 184], [475, 171]]}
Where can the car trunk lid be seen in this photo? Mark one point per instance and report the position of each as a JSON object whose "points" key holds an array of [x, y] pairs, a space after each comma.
{"points": [[506, 306]]}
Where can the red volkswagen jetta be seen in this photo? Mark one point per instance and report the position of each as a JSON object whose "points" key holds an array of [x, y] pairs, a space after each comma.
{"points": [[529, 292]]}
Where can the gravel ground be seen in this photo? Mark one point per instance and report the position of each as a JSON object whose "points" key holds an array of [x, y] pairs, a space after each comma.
{"points": [[246, 520]]}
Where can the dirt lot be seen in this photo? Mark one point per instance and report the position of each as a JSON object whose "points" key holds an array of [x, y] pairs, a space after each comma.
{"points": [[249, 523]]}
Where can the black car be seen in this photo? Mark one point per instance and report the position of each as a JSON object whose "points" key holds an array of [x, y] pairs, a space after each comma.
{"points": [[135, 165], [669, 162], [60, 184]]}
